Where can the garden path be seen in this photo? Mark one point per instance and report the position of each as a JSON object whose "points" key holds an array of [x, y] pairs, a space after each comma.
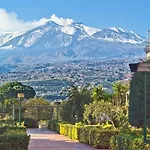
{"points": [[43, 139]]}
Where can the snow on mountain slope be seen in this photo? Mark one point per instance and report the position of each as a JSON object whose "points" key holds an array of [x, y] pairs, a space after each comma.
{"points": [[52, 41], [119, 35], [90, 31], [70, 29], [50, 35], [65, 35], [7, 36]]}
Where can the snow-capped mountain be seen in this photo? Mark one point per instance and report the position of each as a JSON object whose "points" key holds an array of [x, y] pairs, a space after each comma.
{"points": [[52, 41], [7, 36], [119, 35]]}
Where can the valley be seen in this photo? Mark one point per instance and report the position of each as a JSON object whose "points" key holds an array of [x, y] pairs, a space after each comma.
{"points": [[51, 80], [52, 57]]}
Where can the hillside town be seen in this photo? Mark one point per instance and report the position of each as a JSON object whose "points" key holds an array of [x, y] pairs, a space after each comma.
{"points": [[51, 78]]}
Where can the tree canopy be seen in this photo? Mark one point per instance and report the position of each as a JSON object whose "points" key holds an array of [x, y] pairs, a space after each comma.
{"points": [[98, 93], [73, 108], [11, 89], [120, 90], [136, 102]]}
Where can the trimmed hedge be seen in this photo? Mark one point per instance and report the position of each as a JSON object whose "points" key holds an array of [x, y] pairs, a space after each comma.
{"points": [[98, 138], [128, 142], [14, 138], [69, 130], [54, 126], [92, 135], [6, 122]]}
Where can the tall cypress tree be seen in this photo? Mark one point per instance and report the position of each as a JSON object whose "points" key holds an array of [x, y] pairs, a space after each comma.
{"points": [[137, 97]]}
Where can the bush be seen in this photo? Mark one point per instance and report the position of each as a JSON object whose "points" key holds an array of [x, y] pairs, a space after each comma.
{"points": [[30, 123], [93, 135], [101, 112], [14, 139], [69, 130], [98, 138], [6, 122], [2, 129], [101, 138], [54, 126], [128, 142]]}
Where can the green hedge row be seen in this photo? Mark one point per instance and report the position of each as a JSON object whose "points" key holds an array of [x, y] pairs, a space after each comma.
{"points": [[6, 122], [98, 138], [92, 135], [14, 138], [54, 126], [102, 138], [69, 130], [128, 142]]}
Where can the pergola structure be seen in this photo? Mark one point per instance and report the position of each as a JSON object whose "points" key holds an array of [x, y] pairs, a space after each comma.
{"points": [[38, 107]]}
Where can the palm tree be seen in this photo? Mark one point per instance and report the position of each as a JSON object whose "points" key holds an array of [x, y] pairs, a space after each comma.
{"points": [[120, 90], [77, 98], [108, 97], [98, 93], [2, 100]]}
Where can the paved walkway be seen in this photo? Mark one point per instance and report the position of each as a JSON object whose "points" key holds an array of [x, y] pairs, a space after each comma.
{"points": [[43, 139]]}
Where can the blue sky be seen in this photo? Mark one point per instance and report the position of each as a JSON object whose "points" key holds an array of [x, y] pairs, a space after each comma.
{"points": [[127, 14]]}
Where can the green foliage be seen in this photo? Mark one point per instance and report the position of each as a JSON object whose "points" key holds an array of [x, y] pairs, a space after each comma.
{"points": [[9, 92], [54, 125], [2, 129], [108, 97], [18, 124], [120, 90], [38, 113], [136, 103], [98, 93], [37, 102], [7, 122], [11, 89], [128, 142], [107, 125], [95, 137], [78, 124], [89, 134], [30, 123], [69, 130], [83, 134], [102, 112], [43, 122], [97, 112], [72, 109], [14, 139]]}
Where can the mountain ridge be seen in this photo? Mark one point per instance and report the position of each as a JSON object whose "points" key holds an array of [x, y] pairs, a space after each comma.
{"points": [[73, 41]]}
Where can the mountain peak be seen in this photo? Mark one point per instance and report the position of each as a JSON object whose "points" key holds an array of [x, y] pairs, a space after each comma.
{"points": [[119, 35], [72, 40], [117, 29]]}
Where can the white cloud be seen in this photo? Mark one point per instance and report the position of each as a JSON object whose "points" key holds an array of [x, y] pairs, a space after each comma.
{"points": [[61, 21], [9, 21]]}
